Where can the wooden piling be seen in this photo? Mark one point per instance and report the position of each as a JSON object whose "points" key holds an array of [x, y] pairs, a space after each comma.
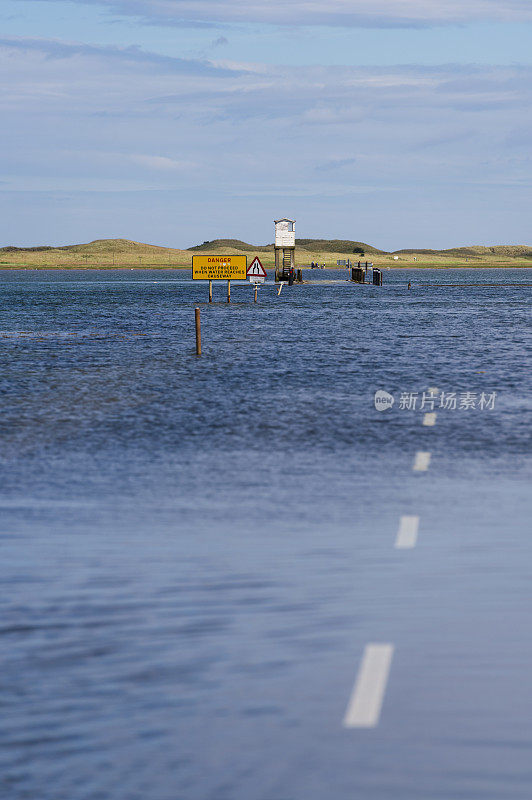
{"points": [[255, 299], [228, 291], [210, 291], [198, 332]]}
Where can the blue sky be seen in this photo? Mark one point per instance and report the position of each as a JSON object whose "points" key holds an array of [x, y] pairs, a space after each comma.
{"points": [[403, 123]]}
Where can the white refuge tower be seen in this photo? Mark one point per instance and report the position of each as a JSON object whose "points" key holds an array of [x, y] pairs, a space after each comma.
{"points": [[285, 247]]}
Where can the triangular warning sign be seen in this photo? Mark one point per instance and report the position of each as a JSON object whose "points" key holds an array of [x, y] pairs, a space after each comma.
{"points": [[255, 269]]}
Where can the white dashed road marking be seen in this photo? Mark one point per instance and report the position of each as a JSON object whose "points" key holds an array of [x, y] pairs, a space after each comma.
{"points": [[407, 533], [429, 418], [421, 461], [365, 703]]}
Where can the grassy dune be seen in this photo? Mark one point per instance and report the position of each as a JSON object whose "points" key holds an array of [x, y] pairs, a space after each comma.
{"points": [[100, 254], [126, 254]]}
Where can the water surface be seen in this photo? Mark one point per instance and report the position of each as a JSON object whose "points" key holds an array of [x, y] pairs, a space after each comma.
{"points": [[195, 552]]}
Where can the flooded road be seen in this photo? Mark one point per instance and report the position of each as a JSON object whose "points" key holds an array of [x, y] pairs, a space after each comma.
{"points": [[233, 578]]}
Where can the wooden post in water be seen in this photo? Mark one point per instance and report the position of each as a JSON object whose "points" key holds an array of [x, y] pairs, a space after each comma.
{"points": [[256, 287], [198, 333], [210, 291], [228, 291]]}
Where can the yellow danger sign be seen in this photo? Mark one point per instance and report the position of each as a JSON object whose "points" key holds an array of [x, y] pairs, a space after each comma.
{"points": [[219, 268]]}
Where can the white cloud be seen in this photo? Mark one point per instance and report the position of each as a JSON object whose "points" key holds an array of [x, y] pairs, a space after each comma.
{"points": [[161, 163], [371, 13], [98, 119]]}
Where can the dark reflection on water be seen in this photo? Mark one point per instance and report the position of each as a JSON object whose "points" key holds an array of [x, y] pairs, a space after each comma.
{"points": [[196, 551]]}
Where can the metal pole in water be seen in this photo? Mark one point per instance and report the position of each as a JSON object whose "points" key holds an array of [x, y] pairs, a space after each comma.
{"points": [[210, 291], [228, 291], [198, 333]]}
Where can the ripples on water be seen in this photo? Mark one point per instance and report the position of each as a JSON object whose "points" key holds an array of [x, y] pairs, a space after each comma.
{"points": [[196, 551]]}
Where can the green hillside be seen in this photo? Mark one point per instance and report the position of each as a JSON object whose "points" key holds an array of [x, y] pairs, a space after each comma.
{"points": [[97, 247], [113, 246], [99, 254], [338, 246], [474, 251], [321, 245], [231, 244]]}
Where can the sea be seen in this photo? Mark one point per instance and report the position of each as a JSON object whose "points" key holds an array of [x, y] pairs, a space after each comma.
{"points": [[197, 554]]}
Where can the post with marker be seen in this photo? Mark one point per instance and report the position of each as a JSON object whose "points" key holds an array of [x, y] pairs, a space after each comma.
{"points": [[198, 332]]}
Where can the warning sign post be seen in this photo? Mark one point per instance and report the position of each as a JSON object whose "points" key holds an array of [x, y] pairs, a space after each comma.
{"points": [[219, 268], [256, 272]]}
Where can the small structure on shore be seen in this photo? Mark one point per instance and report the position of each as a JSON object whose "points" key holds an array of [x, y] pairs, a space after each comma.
{"points": [[285, 248]]}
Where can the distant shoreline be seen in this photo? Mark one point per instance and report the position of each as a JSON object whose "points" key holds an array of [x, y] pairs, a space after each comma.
{"points": [[328, 268], [124, 254]]}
